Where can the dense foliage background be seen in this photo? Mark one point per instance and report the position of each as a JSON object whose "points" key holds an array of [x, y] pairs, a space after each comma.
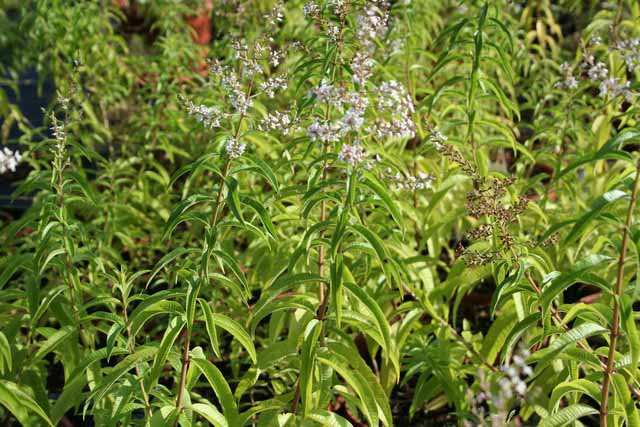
{"points": [[322, 213]]}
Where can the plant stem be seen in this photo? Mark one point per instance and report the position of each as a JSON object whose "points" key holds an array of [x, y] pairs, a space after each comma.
{"points": [[187, 341], [615, 326], [132, 350], [202, 274], [454, 332], [554, 313], [616, 22]]}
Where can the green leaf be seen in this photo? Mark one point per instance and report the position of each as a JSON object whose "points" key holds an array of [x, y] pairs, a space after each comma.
{"points": [[262, 213], [498, 334], [220, 387], [515, 334], [19, 403], [621, 387], [211, 327], [572, 336], [376, 186], [630, 329], [115, 373], [165, 416], [380, 320], [281, 284], [84, 186], [265, 171], [11, 265], [311, 335], [165, 260], [567, 415], [175, 326], [52, 343], [596, 207], [582, 386], [357, 382], [6, 361], [233, 198], [142, 314], [54, 253], [209, 413], [177, 216], [608, 151], [349, 356], [328, 419], [233, 327], [563, 281], [71, 395]]}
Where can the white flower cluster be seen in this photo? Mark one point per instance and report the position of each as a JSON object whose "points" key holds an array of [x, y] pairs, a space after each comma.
{"points": [[353, 118], [273, 84], [311, 10], [595, 41], [58, 132], [613, 88], [239, 100], [338, 7], [234, 148], [598, 71], [333, 32], [353, 154], [362, 67], [324, 131], [262, 49], [421, 181], [568, 80], [209, 116], [630, 53], [437, 138], [278, 121], [372, 24], [512, 384], [328, 93], [9, 160], [610, 87], [393, 98], [276, 15]]}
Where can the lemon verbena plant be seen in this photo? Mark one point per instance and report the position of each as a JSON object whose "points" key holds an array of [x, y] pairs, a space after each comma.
{"points": [[319, 213]]}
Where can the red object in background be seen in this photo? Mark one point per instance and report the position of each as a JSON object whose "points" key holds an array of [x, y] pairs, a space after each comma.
{"points": [[201, 24]]}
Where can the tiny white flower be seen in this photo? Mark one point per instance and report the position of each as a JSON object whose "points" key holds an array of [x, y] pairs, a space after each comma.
{"points": [[234, 148], [352, 153], [9, 160]]}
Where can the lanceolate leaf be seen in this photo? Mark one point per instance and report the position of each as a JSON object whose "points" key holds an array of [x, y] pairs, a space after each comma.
{"points": [[234, 328], [115, 373], [311, 335], [581, 386], [210, 413], [567, 415], [174, 328], [221, 388], [380, 319], [569, 337], [20, 404], [596, 207]]}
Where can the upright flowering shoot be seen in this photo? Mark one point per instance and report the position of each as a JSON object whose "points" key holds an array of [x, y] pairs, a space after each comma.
{"points": [[256, 213]]}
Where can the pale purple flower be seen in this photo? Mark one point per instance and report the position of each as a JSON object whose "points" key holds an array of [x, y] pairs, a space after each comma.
{"points": [[352, 154]]}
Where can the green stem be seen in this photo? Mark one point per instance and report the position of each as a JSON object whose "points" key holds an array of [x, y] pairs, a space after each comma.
{"points": [[615, 324]]}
